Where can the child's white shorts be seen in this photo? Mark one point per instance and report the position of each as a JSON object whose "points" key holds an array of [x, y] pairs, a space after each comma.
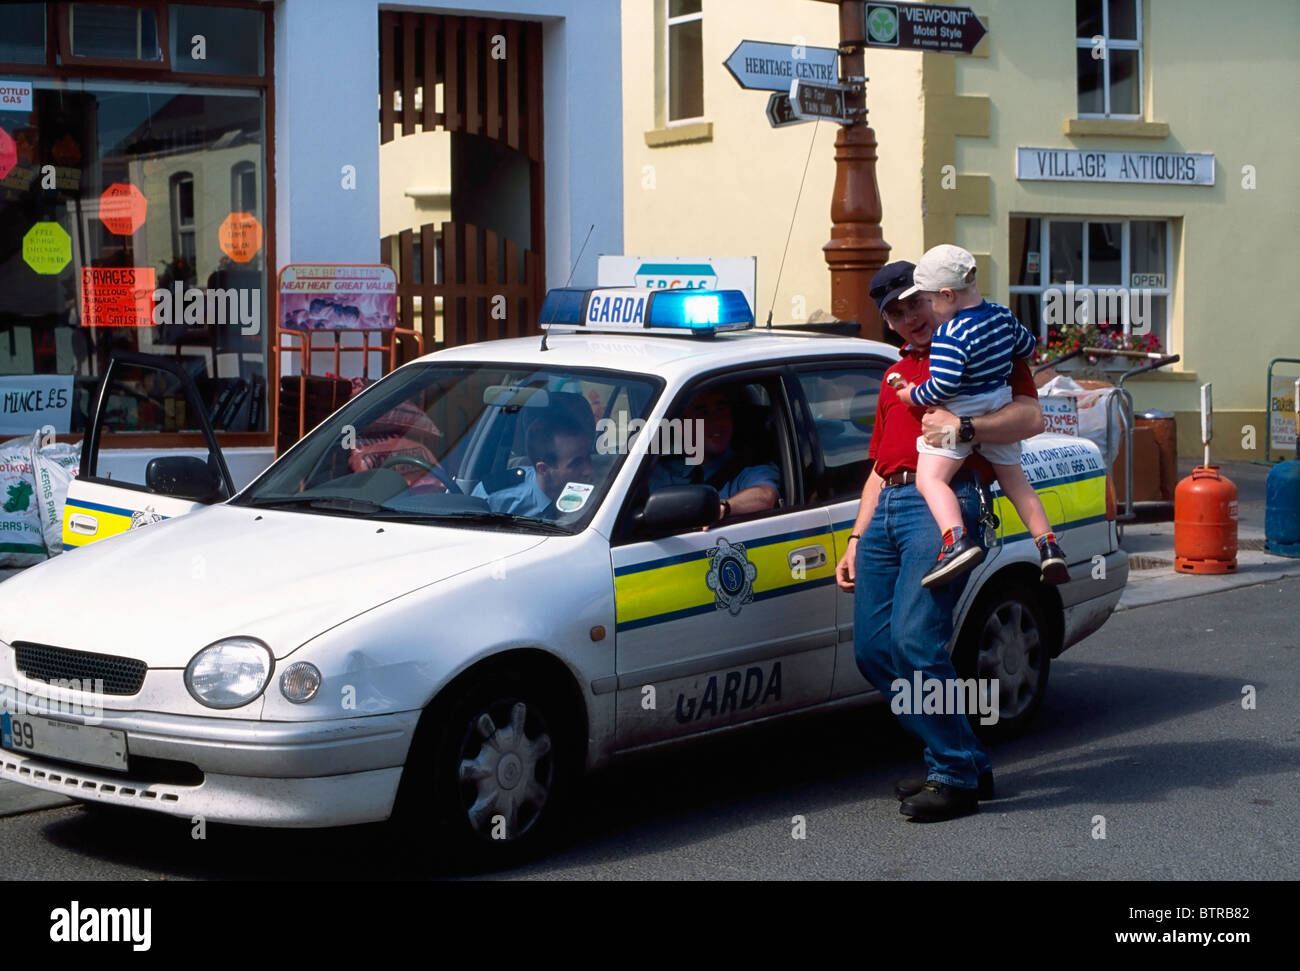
{"points": [[972, 406]]}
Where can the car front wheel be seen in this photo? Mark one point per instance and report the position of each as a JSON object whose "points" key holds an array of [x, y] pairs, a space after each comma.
{"points": [[488, 773]]}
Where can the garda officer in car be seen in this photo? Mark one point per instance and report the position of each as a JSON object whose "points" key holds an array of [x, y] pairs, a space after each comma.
{"points": [[743, 486], [559, 450]]}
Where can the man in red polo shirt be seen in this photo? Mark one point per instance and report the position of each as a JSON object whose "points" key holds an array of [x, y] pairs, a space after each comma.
{"points": [[900, 627]]}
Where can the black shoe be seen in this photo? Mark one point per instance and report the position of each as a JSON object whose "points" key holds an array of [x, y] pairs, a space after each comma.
{"points": [[937, 801], [1054, 566], [954, 560], [910, 787]]}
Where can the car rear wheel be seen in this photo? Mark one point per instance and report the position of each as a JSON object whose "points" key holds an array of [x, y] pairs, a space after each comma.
{"points": [[1007, 640], [488, 773]]}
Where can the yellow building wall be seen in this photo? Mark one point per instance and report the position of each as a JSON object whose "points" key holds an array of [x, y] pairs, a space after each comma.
{"points": [[414, 181], [1229, 90], [731, 189], [727, 188]]}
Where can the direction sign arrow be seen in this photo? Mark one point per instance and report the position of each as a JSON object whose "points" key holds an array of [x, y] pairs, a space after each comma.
{"points": [[922, 27], [780, 113], [812, 101], [761, 66]]}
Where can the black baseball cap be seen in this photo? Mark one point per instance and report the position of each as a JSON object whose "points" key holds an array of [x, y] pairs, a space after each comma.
{"points": [[892, 280]]}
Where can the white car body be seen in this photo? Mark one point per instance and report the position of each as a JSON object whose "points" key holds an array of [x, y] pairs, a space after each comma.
{"points": [[393, 613]]}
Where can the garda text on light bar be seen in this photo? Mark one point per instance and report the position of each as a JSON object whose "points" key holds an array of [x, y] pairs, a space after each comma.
{"points": [[617, 307]]}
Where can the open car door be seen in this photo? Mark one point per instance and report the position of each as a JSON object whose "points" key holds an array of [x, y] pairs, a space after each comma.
{"points": [[151, 395]]}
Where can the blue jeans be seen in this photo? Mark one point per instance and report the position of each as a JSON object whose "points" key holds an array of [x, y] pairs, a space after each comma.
{"points": [[900, 627]]}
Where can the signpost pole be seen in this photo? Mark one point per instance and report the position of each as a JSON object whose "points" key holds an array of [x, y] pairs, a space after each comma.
{"points": [[857, 248]]}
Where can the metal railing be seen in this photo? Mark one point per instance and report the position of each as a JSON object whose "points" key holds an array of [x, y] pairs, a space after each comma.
{"points": [[1119, 409]]}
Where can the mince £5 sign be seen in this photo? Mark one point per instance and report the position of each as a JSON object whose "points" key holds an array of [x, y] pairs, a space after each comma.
{"points": [[922, 27]]}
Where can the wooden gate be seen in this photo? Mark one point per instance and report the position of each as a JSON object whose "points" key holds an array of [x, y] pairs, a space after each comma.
{"points": [[457, 282]]}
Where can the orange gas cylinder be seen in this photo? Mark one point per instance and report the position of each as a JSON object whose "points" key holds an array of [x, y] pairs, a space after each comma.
{"points": [[1205, 523]]}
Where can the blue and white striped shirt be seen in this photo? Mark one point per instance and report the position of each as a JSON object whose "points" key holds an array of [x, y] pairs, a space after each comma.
{"points": [[973, 353]]}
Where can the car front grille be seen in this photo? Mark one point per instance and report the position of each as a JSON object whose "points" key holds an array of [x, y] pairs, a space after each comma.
{"points": [[121, 675]]}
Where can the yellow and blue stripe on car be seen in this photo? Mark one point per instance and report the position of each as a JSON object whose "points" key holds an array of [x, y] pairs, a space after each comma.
{"points": [[108, 521], [668, 588]]}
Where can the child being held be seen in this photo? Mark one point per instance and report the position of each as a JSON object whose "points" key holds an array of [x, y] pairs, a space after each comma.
{"points": [[971, 356]]}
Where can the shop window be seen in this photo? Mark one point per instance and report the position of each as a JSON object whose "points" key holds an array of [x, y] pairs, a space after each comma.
{"points": [[217, 40], [93, 265], [1116, 272], [1108, 53], [23, 38], [684, 77]]}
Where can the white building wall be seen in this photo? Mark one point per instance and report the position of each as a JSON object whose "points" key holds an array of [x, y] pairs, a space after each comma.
{"points": [[326, 90]]}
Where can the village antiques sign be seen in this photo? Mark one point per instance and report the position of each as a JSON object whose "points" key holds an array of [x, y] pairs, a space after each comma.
{"points": [[1073, 165]]}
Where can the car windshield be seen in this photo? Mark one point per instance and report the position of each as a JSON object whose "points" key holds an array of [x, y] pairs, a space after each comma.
{"points": [[491, 445]]}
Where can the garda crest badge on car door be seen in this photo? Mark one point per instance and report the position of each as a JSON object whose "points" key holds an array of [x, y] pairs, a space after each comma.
{"points": [[145, 517], [731, 576]]}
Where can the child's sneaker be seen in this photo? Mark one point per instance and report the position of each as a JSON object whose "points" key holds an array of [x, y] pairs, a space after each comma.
{"points": [[1053, 560], [954, 559]]}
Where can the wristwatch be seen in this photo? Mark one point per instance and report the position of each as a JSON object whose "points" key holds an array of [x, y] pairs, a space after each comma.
{"points": [[967, 431]]}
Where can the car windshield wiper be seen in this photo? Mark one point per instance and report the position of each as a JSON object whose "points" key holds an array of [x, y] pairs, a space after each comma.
{"points": [[374, 510], [477, 519], [363, 507]]}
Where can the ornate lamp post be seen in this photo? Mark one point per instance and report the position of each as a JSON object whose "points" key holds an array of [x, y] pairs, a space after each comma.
{"points": [[856, 249]]}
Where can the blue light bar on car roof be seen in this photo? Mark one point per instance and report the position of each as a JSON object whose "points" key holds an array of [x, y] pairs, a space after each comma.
{"points": [[694, 312]]}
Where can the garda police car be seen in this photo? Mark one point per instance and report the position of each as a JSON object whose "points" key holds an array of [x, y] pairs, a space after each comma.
{"points": [[438, 607]]}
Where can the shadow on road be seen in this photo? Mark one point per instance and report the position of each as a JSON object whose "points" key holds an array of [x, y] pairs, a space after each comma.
{"points": [[667, 802]]}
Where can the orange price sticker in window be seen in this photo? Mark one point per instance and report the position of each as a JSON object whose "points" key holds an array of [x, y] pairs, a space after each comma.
{"points": [[240, 236], [122, 208]]}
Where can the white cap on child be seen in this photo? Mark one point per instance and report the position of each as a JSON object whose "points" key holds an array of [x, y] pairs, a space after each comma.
{"points": [[945, 267]]}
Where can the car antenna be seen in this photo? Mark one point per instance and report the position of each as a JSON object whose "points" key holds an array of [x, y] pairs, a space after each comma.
{"points": [[572, 270], [790, 232]]}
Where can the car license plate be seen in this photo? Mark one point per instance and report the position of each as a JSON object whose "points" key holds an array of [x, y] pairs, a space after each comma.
{"points": [[83, 744]]}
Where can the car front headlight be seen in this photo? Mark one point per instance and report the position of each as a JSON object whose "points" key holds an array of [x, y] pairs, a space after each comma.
{"points": [[229, 673]]}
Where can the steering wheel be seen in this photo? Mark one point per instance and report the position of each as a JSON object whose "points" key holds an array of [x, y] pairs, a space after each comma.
{"points": [[429, 467]]}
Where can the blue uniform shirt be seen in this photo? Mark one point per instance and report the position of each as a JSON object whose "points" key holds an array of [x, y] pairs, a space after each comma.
{"points": [[522, 499], [675, 471]]}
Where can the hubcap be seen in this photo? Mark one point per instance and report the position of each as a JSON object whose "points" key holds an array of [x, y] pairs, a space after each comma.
{"points": [[1011, 652], [505, 770]]}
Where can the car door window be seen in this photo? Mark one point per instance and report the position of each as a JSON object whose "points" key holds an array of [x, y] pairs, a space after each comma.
{"points": [[147, 395], [842, 402], [730, 434]]}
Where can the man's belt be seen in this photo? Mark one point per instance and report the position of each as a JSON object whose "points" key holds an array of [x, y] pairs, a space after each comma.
{"points": [[908, 477]]}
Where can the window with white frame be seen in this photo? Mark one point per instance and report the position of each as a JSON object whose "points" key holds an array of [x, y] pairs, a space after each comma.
{"points": [[1072, 270], [1108, 52], [243, 187], [182, 213], [684, 74]]}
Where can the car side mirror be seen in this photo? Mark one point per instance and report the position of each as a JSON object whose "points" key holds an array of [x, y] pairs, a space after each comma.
{"points": [[674, 509], [184, 477]]}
